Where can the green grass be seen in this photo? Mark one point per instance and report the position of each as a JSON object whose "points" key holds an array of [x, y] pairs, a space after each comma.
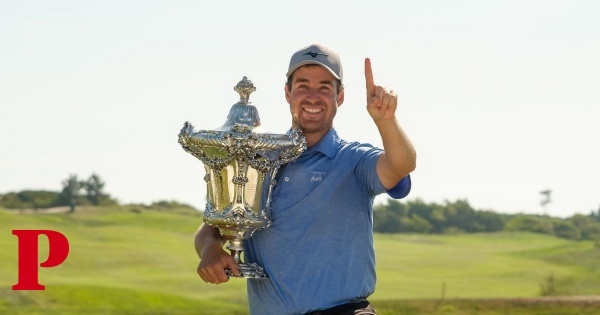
{"points": [[83, 299], [488, 307], [481, 265], [123, 261]]}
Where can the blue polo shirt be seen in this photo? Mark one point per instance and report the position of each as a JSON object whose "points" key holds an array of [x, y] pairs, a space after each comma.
{"points": [[319, 252]]}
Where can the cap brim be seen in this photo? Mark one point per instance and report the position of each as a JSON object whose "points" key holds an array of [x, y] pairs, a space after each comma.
{"points": [[310, 62]]}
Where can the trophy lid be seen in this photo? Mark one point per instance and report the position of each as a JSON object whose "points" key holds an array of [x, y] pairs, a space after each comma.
{"points": [[243, 112]]}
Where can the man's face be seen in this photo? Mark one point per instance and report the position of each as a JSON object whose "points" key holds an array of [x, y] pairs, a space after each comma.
{"points": [[313, 99]]}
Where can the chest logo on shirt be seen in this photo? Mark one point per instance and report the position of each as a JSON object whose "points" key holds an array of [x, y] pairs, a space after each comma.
{"points": [[317, 176]]}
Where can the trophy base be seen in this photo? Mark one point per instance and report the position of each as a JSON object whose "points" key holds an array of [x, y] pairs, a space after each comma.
{"points": [[249, 271]]}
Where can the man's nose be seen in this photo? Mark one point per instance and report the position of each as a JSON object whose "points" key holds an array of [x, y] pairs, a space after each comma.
{"points": [[313, 95]]}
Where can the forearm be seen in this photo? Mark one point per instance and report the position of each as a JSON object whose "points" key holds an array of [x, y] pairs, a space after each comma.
{"points": [[399, 157], [207, 237]]}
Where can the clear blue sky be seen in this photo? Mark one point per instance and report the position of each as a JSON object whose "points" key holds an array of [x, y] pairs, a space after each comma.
{"points": [[500, 98]]}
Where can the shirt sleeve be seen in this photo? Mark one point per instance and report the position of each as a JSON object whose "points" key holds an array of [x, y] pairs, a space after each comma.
{"points": [[401, 189]]}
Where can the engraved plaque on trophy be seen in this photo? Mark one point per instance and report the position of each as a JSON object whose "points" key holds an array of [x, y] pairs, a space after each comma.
{"points": [[240, 160]]}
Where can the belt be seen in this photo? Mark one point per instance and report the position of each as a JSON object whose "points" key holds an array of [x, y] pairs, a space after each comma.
{"points": [[340, 309]]}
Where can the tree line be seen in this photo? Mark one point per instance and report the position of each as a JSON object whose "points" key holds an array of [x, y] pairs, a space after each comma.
{"points": [[74, 192], [392, 217], [459, 217]]}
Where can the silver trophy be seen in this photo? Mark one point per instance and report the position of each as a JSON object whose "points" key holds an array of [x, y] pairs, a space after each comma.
{"points": [[240, 159]]}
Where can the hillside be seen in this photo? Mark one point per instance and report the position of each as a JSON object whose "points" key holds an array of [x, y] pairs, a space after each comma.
{"points": [[127, 260]]}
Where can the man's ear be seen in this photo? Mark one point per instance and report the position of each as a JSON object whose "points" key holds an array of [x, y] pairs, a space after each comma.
{"points": [[287, 93], [340, 97]]}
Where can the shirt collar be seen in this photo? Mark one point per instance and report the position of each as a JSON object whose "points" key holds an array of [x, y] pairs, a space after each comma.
{"points": [[327, 145]]}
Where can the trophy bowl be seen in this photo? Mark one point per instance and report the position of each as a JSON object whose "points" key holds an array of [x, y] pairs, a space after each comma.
{"points": [[240, 162]]}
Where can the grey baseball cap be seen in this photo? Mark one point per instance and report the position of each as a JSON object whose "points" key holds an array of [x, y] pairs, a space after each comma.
{"points": [[318, 55]]}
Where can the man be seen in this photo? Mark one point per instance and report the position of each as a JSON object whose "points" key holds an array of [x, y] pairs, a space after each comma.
{"points": [[318, 252]]}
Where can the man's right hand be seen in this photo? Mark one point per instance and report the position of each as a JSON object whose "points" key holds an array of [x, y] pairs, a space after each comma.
{"points": [[213, 264]]}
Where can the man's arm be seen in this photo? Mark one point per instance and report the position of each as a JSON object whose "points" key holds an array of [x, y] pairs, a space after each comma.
{"points": [[399, 157], [213, 258]]}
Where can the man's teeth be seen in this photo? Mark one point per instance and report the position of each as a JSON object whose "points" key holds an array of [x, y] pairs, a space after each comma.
{"points": [[313, 110]]}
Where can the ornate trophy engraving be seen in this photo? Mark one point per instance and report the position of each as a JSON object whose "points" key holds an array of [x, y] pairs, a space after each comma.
{"points": [[239, 159]]}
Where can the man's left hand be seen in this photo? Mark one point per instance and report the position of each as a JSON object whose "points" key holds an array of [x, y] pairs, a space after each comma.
{"points": [[381, 101]]}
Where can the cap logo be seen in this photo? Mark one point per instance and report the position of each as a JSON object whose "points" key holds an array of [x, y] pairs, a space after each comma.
{"points": [[315, 54]]}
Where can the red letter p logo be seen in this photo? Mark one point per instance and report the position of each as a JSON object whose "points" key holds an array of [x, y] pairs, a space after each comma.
{"points": [[58, 249]]}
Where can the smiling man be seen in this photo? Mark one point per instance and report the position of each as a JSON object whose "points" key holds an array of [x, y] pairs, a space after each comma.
{"points": [[319, 251]]}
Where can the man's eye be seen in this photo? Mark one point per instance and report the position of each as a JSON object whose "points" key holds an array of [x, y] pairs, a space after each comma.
{"points": [[325, 88]]}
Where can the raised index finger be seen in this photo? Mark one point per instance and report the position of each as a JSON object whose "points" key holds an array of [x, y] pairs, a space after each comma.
{"points": [[369, 77]]}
